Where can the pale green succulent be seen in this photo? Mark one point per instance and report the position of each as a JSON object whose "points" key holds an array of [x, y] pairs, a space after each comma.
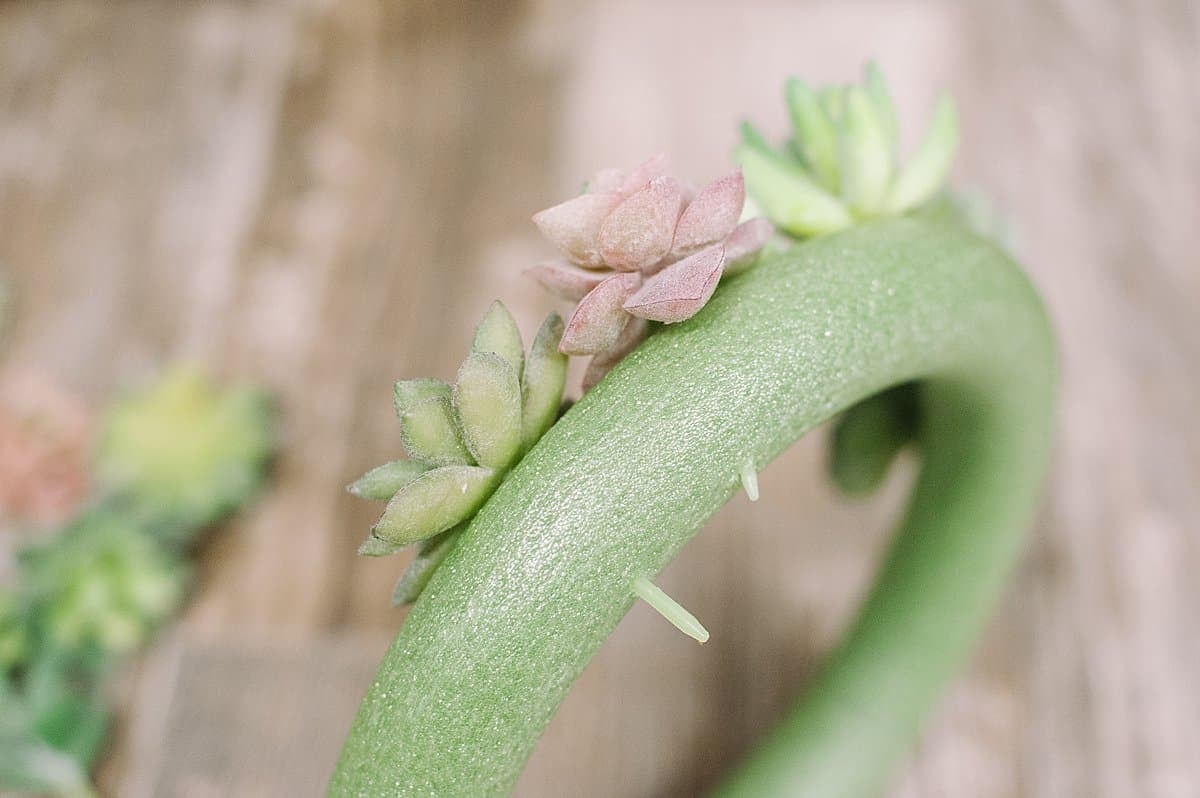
{"points": [[103, 582], [842, 165], [185, 452], [461, 439]]}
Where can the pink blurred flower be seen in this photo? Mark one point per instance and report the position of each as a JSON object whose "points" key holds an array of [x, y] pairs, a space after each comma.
{"points": [[44, 452], [643, 247]]}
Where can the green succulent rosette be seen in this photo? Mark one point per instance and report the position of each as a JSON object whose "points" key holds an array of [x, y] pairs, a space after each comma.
{"points": [[461, 439], [184, 452], [842, 166], [104, 583]]}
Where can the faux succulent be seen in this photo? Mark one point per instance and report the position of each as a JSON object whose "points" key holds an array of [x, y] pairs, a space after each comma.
{"points": [[45, 438], [842, 167], [184, 451], [882, 308], [642, 247], [461, 440], [103, 582], [81, 597]]}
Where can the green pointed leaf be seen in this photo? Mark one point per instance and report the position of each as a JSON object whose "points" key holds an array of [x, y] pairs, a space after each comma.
{"points": [[545, 377], [864, 154], [815, 133], [407, 393], [377, 547], [927, 170], [434, 502], [753, 137], [429, 556], [487, 402], [885, 108], [382, 482], [833, 101], [499, 335], [430, 435], [789, 197]]}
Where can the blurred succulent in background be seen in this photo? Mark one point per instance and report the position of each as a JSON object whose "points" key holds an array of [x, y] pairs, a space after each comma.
{"points": [[643, 247], [841, 165], [45, 436], [185, 452], [174, 457], [103, 582], [461, 440], [14, 639]]}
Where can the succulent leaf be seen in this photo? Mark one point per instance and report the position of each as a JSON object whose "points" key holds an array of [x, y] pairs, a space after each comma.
{"points": [[434, 502], [487, 404], [574, 226], [864, 151], [545, 377], [925, 172], [833, 101], [406, 394], [599, 318], [885, 108], [681, 289], [747, 239], [753, 137], [430, 435], [816, 135], [789, 197], [598, 367], [638, 233], [382, 482], [427, 560], [712, 215], [377, 547], [565, 282], [652, 168], [498, 333]]}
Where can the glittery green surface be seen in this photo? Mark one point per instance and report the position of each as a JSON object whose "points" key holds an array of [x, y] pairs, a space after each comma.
{"points": [[612, 492]]}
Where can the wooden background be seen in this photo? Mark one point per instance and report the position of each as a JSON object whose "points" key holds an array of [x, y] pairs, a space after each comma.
{"points": [[325, 196]]}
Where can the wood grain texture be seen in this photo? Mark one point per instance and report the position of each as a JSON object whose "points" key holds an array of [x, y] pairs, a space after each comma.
{"points": [[324, 197]]}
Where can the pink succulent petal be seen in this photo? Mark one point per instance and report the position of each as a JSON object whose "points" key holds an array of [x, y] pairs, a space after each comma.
{"points": [[681, 289], [633, 334], [639, 231], [566, 282], [747, 239], [599, 319], [653, 167], [712, 215], [607, 180], [574, 225], [687, 194]]}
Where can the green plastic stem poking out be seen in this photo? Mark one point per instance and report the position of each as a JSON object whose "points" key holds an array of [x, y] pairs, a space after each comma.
{"points": [[613, 491]]}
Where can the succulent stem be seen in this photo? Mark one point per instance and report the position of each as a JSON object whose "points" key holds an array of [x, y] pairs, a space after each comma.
{"points": [[614, 489], [670, 609]]}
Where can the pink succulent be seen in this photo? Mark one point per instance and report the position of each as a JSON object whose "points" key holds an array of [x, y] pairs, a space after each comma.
{"points": [[44, 446], [644, 247]]}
